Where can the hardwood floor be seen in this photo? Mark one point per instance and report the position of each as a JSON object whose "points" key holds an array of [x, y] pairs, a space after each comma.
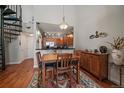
{"points": [[19, 76]]}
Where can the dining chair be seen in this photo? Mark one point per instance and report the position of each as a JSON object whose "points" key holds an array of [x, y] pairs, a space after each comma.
{"points": [[63, 67], [75, 61], [49, 68]]}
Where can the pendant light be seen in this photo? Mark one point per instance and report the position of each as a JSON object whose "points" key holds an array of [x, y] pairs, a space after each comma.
{"points": [[63, 25]]}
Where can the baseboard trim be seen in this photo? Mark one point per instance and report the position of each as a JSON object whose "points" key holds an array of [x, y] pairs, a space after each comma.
{"points": [[16, 62], [115, 81]]}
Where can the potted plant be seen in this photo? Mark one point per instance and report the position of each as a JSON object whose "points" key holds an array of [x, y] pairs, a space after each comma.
{"points": [[118, 52]]}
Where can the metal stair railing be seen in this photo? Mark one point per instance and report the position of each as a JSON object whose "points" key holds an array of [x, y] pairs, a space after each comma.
{"points": [[10, 27]]}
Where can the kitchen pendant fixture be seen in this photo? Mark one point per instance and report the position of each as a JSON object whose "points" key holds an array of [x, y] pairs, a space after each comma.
{"points": [[63, 25]]}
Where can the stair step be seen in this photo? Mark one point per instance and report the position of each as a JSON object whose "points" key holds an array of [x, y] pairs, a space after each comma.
{"points": [[3, 6], [12, 24], [12, 29], [11, 33], [8, 12], [10, 37], [6, 35], [8, 41], [12, 18]]}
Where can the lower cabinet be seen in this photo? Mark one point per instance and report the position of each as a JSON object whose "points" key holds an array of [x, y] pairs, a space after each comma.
{"points": [[85, 62], [96, 64]]}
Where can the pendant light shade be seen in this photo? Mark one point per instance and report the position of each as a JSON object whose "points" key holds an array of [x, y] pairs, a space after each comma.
{"points": [[63, 25]]}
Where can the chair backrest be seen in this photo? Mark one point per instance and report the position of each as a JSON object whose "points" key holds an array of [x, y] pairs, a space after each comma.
{"points": [[64, 60], [77, 52], [38, 55]]}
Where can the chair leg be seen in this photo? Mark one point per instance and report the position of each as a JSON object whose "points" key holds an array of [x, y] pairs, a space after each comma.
{"points": [[39, 81], [45, 72], [73, 69], [57, 80], [39, 78], [70, 76], [52, 72]]}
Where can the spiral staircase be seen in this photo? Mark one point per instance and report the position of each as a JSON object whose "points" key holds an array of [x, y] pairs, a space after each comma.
{"points": [[10, 28]]}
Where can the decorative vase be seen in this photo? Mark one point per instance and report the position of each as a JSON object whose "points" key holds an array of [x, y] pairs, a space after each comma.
{"points": [[118, 57], [103, 49]]}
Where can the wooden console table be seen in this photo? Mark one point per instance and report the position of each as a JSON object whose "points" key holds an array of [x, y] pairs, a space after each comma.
{"points": [[120, 72], [95, 63]]}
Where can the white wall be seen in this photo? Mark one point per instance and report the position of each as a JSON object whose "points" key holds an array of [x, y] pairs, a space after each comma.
{"points": [[109, 19], [17, 50], [53, 14], [27, 13], [13, 52], [23, 47], [30, 43]]}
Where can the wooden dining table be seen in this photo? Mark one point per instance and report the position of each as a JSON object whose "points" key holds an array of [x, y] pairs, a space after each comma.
{"points": [[52, 58]]}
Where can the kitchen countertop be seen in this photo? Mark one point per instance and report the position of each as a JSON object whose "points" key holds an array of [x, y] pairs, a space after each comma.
{"points": [[55, 49]]}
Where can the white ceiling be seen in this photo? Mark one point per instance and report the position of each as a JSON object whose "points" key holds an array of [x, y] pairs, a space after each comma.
{"points": [[48, 27]]}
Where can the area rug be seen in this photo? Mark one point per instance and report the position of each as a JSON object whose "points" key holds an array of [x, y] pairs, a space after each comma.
{"points": [[85, 82]]}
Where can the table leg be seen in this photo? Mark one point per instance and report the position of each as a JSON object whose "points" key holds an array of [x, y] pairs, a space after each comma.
{"points": [[43, 74], [78, 72]]}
